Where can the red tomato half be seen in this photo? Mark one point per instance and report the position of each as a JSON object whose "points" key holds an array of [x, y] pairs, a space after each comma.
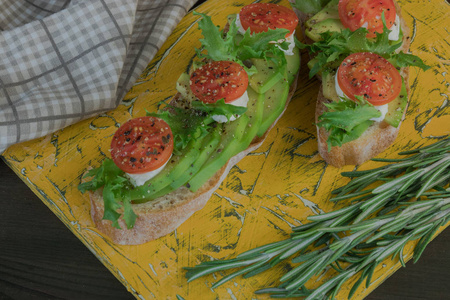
{"points": [[355, 13], [219, 80], [141, 145], [260, 17], [371, 76]]}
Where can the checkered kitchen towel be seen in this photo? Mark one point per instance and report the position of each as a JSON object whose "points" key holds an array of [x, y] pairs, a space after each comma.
{"points": [[62, 61]]}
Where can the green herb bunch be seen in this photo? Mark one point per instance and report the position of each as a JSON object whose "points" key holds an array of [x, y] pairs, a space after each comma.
{"points": [[411, 204]]}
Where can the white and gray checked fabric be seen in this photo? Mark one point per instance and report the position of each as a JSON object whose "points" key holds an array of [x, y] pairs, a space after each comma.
{"points": [[62, 61]]}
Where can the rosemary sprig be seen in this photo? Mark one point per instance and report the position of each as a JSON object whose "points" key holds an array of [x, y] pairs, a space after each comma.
{"points": [[411, 203]]}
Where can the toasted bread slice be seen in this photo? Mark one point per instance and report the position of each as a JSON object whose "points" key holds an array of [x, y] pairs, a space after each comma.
{"points": [[163, 215]]}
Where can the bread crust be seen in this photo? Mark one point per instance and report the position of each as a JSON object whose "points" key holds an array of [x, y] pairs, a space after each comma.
{"points": [[163, 215], [377, 137]]}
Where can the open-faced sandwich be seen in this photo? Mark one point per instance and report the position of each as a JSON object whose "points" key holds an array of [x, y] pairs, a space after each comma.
{"points": [[165, 166], [358, 50]]}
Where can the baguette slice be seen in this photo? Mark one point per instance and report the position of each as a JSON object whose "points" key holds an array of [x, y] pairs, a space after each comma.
{"points": [[163, 215], [377, 137]]}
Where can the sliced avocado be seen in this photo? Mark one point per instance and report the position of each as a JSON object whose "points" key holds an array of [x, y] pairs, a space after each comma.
{"points": [[274, 104], [255, 113], [229, 146], [325, 20], [184, 87], [267, 75], [293, 65], [329, 86], [208, 147], [396, 107]]}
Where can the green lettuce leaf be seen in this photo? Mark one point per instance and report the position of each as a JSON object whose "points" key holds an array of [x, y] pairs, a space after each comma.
{"points": [[113, 181], [402, 60], [310, 6], [346, 120]]}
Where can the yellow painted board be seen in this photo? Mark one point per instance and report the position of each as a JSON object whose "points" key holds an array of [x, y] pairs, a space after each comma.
{"points": [[272, 189]]}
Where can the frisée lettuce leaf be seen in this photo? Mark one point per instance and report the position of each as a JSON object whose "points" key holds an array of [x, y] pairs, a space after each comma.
{"points": [[239, 48], [346, 120], [113, 181]]}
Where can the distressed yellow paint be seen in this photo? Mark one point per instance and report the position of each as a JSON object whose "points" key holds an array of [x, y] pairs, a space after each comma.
{"points": [[272, 189]]}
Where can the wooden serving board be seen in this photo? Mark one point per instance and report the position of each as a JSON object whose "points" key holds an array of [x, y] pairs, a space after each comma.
{"points": [[272, 189]]}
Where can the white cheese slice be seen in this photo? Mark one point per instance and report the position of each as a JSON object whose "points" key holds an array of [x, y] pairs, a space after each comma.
{"points": [[140, 179], [395, 30], [241, 29], [241, 101], [381, 108]]}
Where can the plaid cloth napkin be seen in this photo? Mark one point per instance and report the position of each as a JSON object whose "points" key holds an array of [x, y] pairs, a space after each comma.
{"points": [[62, 61]]}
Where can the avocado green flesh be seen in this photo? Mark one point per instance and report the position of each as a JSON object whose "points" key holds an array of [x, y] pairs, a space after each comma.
{"points": [[204, 157], [274, 104], [325, 20], [395, 107], [208, 148], [229, 146], [266, 77]]}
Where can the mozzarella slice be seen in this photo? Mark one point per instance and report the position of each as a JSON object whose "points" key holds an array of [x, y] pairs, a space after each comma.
{"points": [[140, 179], [291, 42], [241, 101], [381, 108], [289, 38], [395, 30], [241, 29]]}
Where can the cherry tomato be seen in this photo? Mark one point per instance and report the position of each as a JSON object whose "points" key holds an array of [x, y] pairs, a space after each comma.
{"points": [[141, 145], [260, 17], [371, 76], [219, 80], [358, 13]]}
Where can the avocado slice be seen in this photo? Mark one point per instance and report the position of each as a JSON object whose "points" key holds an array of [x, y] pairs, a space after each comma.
{"points": [[325, 20], [268, 74], [274, 104], [208, 147], [397, 107], [229, 145]]}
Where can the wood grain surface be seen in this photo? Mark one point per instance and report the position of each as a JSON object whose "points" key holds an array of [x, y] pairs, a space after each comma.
{"points": [[272, 189]]}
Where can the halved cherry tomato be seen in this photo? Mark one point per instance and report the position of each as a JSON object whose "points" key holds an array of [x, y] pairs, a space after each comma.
{"points": [[260, 17], [358, 13], [141, 145], [371, 76], [219, 80]]}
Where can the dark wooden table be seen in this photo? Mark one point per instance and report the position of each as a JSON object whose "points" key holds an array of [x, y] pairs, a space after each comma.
{"points": [[41, 259]]}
